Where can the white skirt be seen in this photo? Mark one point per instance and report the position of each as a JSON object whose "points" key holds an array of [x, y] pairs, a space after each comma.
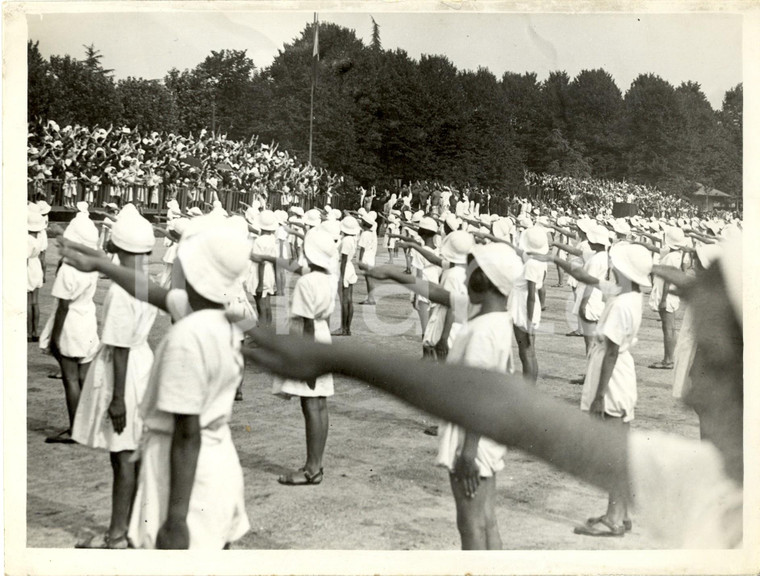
{"points": [[350, 278], [92, 425], [683, 356], [324, 386], [216, 514], [490, 456]]}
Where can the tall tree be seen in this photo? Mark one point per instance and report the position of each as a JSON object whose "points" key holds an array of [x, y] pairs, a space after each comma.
{"points": [[375, 44], [40, 82], [594, 106], [147, 103], [652, 122]]}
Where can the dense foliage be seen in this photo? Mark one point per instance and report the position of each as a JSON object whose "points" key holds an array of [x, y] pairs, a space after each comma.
{"points": [[381, 117]]}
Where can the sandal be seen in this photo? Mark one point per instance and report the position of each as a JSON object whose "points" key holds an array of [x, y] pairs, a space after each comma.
{"points": [[609, 529], [580, 381], [93, 542], [574, 333], [61, 438], [302, 478], [662, 365], [55, 376]]}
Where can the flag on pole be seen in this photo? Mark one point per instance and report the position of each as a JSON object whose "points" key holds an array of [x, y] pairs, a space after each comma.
{"points": [[315, 53]]}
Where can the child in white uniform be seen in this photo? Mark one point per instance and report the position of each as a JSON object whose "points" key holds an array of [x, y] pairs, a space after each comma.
{"points": [[190, 491], [261, 281], [349, 227], [524, 302], [71, 333], [107, 415], [484, 342], [34, 270], [662, 301], [313, 303], [368, 250], [609, 391]]}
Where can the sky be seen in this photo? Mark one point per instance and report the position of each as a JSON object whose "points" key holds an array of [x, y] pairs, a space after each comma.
{"points": [[705, 48]]}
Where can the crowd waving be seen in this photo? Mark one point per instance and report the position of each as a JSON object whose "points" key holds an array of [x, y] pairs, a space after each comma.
{"points": [[132, 163]]}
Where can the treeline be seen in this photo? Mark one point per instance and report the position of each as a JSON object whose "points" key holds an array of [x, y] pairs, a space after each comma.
{"points": [[381, 116]]}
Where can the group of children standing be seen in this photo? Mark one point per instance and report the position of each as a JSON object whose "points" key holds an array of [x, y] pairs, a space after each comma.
{"points": [[476, 283]]}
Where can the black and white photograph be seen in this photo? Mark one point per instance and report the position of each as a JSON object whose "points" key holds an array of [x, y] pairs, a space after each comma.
{"points": [[355, 289]]}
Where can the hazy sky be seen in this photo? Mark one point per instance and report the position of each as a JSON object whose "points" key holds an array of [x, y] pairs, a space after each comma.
{"points": [[705, 48]]}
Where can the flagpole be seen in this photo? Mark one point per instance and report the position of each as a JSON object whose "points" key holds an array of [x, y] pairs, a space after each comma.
{"points": [[313, 78]]}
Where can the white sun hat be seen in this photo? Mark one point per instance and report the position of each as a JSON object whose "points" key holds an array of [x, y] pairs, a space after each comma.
{"points": [[456, 246], [585, 224], [369, 218], [333, 228], [427, 223], [281, 216], [268, 221], [417, 216], [503, 228], [674, 238], [334, 214], [34, 219], [194, 212], [598, 234], [500, 263], [708, 254], [534, 240], [132, 232], [524, 222], [349, 226], [214, 260], [320, 248], [83, 207], [250, 215], [297, 210], [452, 221], [312, 218], [44, 207], [82, 230], [621, 227], [632, 261]]}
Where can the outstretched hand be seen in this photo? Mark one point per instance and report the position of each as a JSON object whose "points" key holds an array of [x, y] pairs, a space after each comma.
{"points": [[290, 357], [548, 257], [378, 272], [74, 257]]}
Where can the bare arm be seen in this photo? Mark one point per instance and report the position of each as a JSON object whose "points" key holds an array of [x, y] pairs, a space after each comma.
{"points": [[504, 409], [185, 447], [569, 249], [429, 290], [137, 284], [117, 410]]}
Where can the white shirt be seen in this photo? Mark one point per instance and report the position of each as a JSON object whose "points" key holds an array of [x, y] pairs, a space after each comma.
{"points": [[79, 336], [197, 368]]}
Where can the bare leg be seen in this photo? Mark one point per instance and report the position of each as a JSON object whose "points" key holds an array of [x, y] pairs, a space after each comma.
{"points": [[349, 307], [71, 385], [423, 311], [493, 537], [124, 486], [317, 425], [527, 351], [471, 516], [669, 334]]}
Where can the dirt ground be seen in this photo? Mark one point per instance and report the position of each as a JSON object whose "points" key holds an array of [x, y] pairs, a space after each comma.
{"points": [[381, 489]]}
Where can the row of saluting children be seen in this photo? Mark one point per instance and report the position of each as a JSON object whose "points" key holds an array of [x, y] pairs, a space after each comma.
{"points": [[174, 418]]}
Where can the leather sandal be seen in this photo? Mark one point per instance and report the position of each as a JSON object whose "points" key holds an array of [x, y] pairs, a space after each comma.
{"points": [[607, 529], [302, 478]]}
